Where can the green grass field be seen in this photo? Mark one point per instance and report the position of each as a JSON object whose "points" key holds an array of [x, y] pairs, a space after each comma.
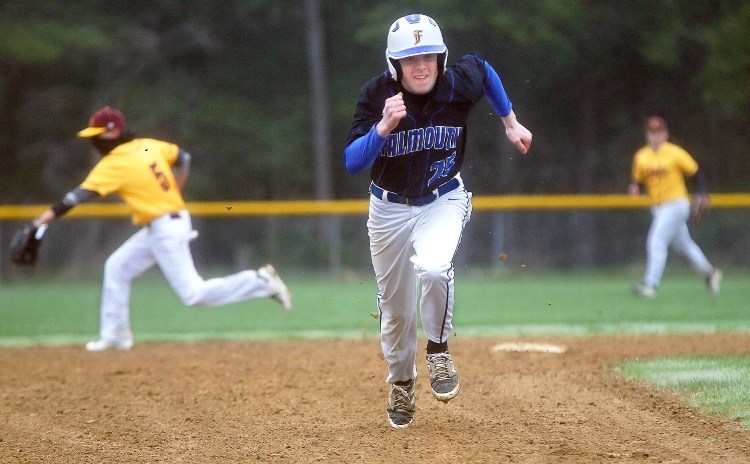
{"points": [[47, 311], [487, 303], [717, 385]]}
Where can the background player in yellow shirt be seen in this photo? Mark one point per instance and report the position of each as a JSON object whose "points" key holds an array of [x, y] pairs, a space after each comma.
{"points": [[662, 167], [148, 175]]}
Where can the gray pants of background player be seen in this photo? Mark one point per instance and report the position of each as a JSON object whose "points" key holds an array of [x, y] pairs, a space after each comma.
{"points": [[412, 249], [669, 228], [166, 242]]}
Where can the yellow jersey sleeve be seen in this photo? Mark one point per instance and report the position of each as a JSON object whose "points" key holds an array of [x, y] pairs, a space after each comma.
{"points": [[140, 172], [663, 171]]}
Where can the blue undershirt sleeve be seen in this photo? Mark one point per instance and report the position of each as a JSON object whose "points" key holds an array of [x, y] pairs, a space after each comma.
{"points": [[495, 92], [361, 153]]}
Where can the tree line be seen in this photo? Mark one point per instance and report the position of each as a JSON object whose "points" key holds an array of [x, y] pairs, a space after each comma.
{"points": [[262, 92]]}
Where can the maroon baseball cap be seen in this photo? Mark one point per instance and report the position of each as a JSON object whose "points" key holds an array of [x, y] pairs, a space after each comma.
{"points": [[104, 120], [656, 124]]}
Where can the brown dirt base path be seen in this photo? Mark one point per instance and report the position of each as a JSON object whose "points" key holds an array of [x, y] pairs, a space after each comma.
{"points": [[324, 401]]}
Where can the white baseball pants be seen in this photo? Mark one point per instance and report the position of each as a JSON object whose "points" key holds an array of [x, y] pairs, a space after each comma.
{"points": [[669, 228], [166, 242], [412, 249]]}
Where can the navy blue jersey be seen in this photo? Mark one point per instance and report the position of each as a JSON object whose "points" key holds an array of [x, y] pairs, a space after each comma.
{"points": [[426, 149]]}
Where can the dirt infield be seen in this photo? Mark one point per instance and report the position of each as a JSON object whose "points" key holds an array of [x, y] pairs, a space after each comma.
{"points": [[324, 401]]}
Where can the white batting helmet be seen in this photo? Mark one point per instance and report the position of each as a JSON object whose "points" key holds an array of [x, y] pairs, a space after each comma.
{"points": [[411, 35]]}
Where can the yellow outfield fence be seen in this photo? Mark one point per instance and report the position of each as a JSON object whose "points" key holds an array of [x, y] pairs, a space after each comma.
{"points": [[336, 207]]}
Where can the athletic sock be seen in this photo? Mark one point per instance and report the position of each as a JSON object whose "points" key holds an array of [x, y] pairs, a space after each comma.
{"points": [[433, 348]]}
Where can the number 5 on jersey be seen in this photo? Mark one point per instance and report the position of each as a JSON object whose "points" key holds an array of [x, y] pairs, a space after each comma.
{"points": [[160, 177]]}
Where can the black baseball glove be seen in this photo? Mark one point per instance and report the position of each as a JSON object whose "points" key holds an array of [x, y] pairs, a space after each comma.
{"points": [[24, 247]]}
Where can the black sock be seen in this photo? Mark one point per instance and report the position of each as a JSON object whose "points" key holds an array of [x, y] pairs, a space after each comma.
{"points": [[433, 347]]}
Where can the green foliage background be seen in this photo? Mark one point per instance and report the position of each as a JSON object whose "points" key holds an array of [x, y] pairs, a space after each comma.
{"points": [[230, 82]]}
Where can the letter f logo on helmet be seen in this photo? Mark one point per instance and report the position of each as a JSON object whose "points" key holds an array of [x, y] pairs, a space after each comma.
{"points": [[412, 35], [417, 37]]}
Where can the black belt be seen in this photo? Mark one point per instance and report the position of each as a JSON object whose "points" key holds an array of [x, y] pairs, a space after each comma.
{"points": [[172, 215], [449, 186]]}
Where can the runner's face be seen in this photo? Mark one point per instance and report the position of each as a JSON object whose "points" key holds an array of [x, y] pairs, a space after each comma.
{"points": [[419, 73]]}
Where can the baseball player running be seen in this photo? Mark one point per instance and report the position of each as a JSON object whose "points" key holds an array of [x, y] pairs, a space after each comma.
{"points": [[148, 175], [662, 167], [410, 129]]}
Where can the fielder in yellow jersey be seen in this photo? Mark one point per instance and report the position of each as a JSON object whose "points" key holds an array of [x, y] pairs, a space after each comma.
{"points": [[148, 175], [140, 171], [663, 171], [662, 167]]}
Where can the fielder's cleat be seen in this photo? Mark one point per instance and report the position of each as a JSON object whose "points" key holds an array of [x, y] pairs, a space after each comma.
{"points": [[401, 405], [645, 291], [104, 345], [279, 292], [713, 281], [443, 376]]}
